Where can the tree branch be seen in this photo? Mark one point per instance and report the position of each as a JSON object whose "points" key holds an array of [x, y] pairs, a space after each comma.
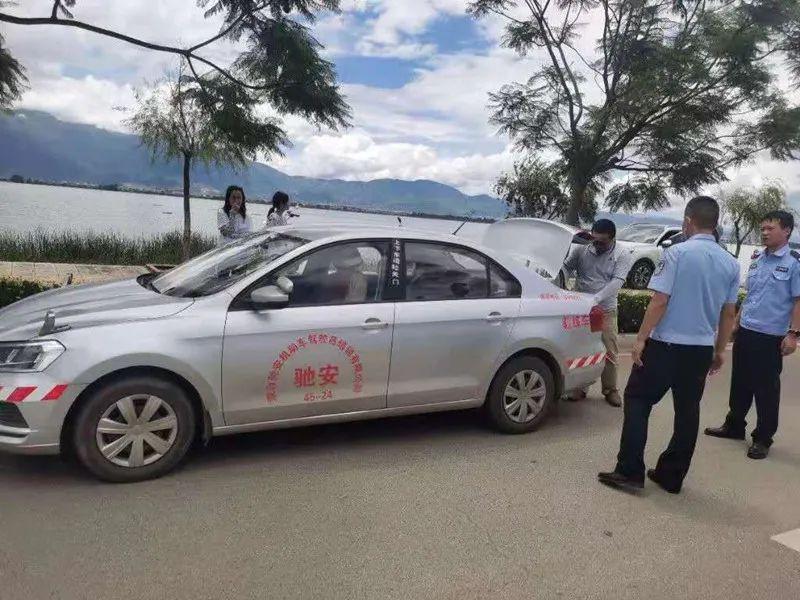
{"points": [[540, 19], [89, 27], [185, 52], [228, 29], [54, 14]]}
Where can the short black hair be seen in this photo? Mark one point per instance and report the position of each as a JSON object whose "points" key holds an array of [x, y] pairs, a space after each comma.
{"points": [[703, 211], [785, 218], [606, 227]]}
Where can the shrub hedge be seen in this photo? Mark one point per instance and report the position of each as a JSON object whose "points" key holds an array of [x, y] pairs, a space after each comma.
{"points": [[12, 290], [98, 248], [632, 306]]}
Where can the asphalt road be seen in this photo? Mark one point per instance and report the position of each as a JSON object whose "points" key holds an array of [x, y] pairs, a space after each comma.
{"points": [[425, 507]]}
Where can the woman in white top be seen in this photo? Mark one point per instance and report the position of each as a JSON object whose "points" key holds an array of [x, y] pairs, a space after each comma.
{"points": [[279, 213], [232, 219]]}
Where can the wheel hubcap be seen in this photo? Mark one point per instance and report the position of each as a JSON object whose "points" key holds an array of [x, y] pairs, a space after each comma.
{"points": [[137, 430], [641, 276], [524, 396]]}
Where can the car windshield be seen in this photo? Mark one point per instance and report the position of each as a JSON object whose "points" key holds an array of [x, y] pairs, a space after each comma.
{"points": [[644, 234], [221, 267]]}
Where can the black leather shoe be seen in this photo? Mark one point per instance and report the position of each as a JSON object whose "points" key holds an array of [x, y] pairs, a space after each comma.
{"points": [[724, 432], [757, 451], [652, 475], [620, 481]]}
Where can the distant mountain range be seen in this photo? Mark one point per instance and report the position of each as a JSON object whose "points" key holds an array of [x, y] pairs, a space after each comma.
{"points": [[36, 145], [39, 146]]}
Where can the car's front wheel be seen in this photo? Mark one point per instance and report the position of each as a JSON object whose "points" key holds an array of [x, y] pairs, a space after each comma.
{"points": [[134, 429], [640, 274], [521, 396]]}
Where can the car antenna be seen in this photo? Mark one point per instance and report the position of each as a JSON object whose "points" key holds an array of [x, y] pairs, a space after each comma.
{"points": [[472, 212]]}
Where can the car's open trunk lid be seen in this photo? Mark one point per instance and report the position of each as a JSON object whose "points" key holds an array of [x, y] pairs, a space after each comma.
{"points": [[544, 243]]}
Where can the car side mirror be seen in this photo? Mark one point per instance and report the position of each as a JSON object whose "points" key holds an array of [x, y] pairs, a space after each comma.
{"points": [[269, 296], [666, 243]]}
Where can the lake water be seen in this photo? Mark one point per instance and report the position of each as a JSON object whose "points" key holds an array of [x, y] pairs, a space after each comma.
{"points": [[24, 208]]}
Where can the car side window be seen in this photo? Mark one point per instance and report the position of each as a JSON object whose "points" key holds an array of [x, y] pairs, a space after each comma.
{"points": [[442, 272], [349, 273], [503, 284]]}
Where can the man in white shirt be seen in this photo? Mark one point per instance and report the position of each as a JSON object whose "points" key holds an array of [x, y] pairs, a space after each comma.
{"points": [[601, 268]]}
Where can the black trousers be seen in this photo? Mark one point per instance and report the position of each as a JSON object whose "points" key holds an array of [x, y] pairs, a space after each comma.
{"points": [[757, 366], [682, 369]]}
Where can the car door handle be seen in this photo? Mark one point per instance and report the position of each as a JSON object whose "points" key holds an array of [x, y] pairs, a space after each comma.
{"points": [[496, 317], [374, 324]]}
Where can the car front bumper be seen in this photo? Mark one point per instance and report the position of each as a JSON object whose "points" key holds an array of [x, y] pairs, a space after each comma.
{"points": [[33, 407]]}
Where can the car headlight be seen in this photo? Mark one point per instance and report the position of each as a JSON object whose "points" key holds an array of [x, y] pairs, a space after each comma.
{"points": [[28, 357]]}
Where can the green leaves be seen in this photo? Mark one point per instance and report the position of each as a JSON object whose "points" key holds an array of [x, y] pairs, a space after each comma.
{"points": [[280, 65], [211, 120], [647, 193], [534, 189], [675, 93], [283, 58], [745, 207], [12, 78]]}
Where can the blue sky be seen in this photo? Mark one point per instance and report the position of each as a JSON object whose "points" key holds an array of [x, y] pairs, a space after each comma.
{"points": [[417, 74]]}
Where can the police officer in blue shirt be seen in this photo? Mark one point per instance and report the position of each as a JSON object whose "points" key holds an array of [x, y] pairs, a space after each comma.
{"points": [[683, 336], [769, 325]]}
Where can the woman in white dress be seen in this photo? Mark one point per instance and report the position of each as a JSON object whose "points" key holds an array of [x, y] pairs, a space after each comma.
{"points": [[232, 219], [279, 213]]}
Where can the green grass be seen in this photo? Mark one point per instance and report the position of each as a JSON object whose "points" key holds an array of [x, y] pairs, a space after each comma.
{"points": [[97, 248]]}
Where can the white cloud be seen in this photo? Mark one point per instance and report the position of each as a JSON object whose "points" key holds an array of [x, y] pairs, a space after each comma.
{"points": [[434, 127], [88, 100], [398, 19], [355, 155]]}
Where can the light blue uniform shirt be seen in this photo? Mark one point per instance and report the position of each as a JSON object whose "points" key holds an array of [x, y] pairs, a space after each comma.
{"points": [[699, 277], [773, 286]]}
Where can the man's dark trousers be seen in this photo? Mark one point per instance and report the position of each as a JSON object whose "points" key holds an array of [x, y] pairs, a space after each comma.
{"points": [[682, 369], [757, 366]]}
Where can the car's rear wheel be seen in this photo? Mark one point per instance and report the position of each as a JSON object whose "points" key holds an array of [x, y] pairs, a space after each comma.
{"points": [[521, 396], [640, 274], [134, 429]]}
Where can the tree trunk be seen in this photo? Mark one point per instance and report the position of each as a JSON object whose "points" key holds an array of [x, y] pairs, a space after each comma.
{"points": [[576, 200], [738, 247], [187, 215]]}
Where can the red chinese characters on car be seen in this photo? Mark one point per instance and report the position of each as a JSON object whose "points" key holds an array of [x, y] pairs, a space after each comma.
{"points": [[305, 377], [575, 321], [323, 376]]}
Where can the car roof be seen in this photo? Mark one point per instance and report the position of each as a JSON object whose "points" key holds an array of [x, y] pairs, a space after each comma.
{"points": [[344, 231]]}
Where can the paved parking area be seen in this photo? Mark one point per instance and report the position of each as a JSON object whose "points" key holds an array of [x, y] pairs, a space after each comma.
{"points": [[432, 507]]}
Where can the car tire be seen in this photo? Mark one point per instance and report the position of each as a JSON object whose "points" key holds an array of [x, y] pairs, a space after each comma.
{"points": [[640, 274], [499, 406], [156, 442]]}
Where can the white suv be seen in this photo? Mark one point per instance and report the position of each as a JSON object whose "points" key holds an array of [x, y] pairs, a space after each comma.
{"points": [[645, 241]]}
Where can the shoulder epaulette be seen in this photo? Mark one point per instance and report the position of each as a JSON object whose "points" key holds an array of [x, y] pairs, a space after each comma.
{"points": [[795, 253]]}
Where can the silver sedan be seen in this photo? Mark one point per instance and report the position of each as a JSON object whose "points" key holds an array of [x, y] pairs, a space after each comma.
{"points": [[293, 327]]}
